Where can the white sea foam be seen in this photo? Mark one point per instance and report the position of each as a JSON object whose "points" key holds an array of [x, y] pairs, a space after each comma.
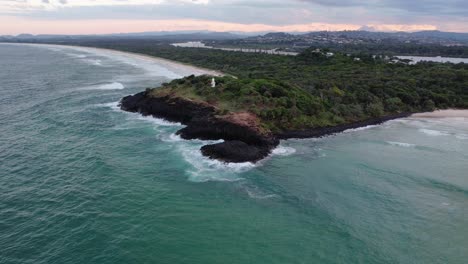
{"points": [[95, 62], [259, 195], [79, 56], [156, 121], [462, 136], [401, 144], [151, 65], [431, 132], [359, 128], [283, 151], [112, 105], [172, 138], [205, 169], [105, 86]]}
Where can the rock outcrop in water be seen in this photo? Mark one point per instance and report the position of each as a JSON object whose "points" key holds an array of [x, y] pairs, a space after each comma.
{"points": [[244, 139], [251, 116]]}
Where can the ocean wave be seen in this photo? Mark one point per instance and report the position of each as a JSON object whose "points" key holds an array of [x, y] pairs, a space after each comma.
{"points": [[283, 151], [112, 105], [79, 56], [156, 121], [171, 138], [360, 128], [431, 132], [461, 136], [401, 144], [255, 194], [105, 86], [95, 62], [151, 66], [205, 169]]}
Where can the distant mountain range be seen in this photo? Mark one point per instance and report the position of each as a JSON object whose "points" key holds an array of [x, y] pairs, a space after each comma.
{"points": [[432, 37], [160, 35]]}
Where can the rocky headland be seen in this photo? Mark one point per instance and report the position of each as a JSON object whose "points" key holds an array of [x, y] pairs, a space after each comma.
{"points": [[247, 136], [244, 139]]}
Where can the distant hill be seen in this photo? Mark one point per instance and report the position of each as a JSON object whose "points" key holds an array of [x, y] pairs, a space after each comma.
{"points": [[290, 38], [161, 35]]}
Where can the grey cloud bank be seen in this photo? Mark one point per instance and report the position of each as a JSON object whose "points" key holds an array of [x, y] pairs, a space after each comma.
{"points": [[442, 14]]}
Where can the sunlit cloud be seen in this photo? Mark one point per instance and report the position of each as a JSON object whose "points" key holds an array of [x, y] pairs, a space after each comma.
{"points": [[48, 16], [18, 6], [123, 26]]}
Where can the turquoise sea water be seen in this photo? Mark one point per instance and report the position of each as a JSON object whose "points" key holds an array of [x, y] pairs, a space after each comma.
{"points": [[82, 182]]}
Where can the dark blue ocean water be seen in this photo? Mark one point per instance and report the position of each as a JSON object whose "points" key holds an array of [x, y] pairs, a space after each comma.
{"points": [[82, 182]]}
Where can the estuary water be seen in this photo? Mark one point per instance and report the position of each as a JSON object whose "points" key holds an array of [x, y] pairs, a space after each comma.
{"points": [[416, 59], [83, 182]]}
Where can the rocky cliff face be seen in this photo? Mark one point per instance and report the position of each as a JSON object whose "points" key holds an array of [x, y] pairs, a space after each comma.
{"points": [[244, 138], [245, 141]]}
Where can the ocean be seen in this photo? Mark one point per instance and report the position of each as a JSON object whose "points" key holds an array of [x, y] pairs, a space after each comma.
{"points": [[83, 182]]}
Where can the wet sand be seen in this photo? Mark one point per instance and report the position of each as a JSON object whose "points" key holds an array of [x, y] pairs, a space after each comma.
{"points": [[449, 113]]}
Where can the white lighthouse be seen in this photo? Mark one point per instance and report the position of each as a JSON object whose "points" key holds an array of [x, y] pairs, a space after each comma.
{"points": [[213, 83]]}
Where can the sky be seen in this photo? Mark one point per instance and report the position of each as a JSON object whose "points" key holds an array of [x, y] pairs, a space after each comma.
{"points": [[122, 16]]}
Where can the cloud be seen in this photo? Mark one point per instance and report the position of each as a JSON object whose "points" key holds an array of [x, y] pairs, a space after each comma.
{"points": [[384, 14], [431, 7], [18, 6]]}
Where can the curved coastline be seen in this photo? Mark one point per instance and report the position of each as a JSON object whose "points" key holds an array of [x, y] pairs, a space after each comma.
{"points": [[242, 144], [243, 141], [169, 64], [447, 113]]}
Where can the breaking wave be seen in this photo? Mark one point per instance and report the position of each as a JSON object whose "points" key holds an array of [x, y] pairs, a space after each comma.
{"points": [[283, 151], [431, 132], [105, 86], [401, 144], [360, 128]]}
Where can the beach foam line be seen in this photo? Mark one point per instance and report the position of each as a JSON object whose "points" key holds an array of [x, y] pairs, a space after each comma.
{"points": [[151, 64], [360, 128], [449, 113]]}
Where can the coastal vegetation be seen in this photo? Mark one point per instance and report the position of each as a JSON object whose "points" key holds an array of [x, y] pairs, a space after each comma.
{"points": [[315, 90], [264, 98]]}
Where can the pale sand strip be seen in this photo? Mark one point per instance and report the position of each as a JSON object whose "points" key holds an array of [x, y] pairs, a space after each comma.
{"points": [[449, 113], [174, 66], [169, 64]]}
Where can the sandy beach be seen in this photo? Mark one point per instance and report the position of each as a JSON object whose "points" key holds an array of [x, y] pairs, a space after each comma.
{"points": [[449, 113], [169, 64], [185, 69]]}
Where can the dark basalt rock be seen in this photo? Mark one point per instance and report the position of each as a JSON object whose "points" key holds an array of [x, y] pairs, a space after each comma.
{"points": [[171, 109], [242, 144], [236, 151], [324, 131]]}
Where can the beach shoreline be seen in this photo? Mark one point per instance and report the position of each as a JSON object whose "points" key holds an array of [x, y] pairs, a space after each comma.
{"points": [[169, 64], [446, 113]]}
